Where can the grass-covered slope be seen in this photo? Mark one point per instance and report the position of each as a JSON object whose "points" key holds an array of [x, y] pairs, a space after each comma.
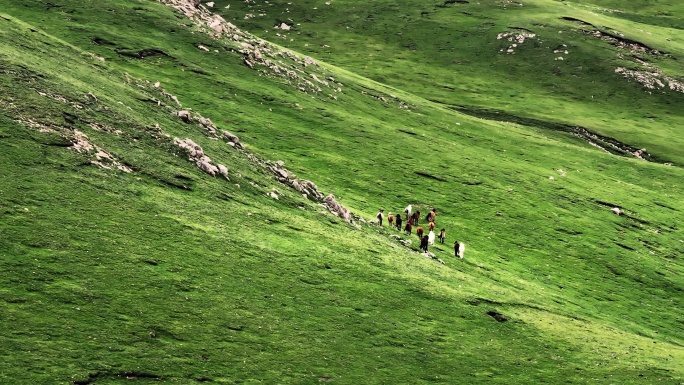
{"points": [[165, 273], [470, 55]]}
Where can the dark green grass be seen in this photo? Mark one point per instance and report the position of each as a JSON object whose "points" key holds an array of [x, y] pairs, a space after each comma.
{"points": [[115, 275]]}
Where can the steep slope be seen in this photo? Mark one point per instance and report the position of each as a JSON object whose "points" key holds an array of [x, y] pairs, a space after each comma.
{"points": [[157, 271], [556, 61]]}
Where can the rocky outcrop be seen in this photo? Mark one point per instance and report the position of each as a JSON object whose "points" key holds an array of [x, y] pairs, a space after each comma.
{"points": [[99, 157], [336, 208], [203, 162], [306, 187], [233, 140], [209, 127], [652, 79], [258, 54], [184, 116]]}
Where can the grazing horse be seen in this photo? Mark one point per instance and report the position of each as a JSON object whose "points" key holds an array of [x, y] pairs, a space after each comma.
{"points": [[431, 226], [431, 237], [442, 235], [390, 219], [419, 232]]}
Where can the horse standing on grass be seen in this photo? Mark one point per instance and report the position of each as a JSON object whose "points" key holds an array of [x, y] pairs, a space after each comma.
{"points": [[408, 227], [424, 243], [419, 232], [431, 215], [415, 217], [407, 211], [459, 249]]}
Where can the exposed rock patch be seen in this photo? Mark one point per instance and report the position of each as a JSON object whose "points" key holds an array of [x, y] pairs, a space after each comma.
{"points": [[203, 162], [306, 187], [515, 38], [99, 157], [650, 76], [257, 54], [653, 79], [337, 208]]}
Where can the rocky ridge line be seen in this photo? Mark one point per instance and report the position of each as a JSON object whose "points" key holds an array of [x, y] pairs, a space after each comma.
{"points": [[196, 154], [649, 76], [259, 54], [270, 60]]}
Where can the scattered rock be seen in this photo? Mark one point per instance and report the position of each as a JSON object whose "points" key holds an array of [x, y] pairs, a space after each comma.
{"points": [[80, 142], [202, 161], [103, 159], [515, 38], [205, 165], [184, 116], [232, 139], [337, 208], [223, 170]]}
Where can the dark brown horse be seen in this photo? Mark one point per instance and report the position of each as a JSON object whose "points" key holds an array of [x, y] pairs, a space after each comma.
{"points": [[408, 228]]}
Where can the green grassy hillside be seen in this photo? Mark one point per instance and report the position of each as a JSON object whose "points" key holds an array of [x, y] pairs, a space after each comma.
{"points": [[123, 262], [457, 54]]}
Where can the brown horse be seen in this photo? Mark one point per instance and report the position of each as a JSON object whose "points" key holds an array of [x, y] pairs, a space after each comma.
{"points": [[408, 228], [431, 226], [431, 215], [419, 232], [390, 219], [415, 217]]}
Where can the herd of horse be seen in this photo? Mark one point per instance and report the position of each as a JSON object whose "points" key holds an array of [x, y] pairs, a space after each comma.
{"points": [[412, 219]]}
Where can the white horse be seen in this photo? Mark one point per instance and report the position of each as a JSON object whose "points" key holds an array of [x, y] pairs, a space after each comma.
{"points": [[461, 249], [431, 237], [408, 210]]}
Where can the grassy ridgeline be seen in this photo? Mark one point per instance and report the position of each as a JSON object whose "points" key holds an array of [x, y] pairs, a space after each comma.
{"points": [[108, 275]]}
